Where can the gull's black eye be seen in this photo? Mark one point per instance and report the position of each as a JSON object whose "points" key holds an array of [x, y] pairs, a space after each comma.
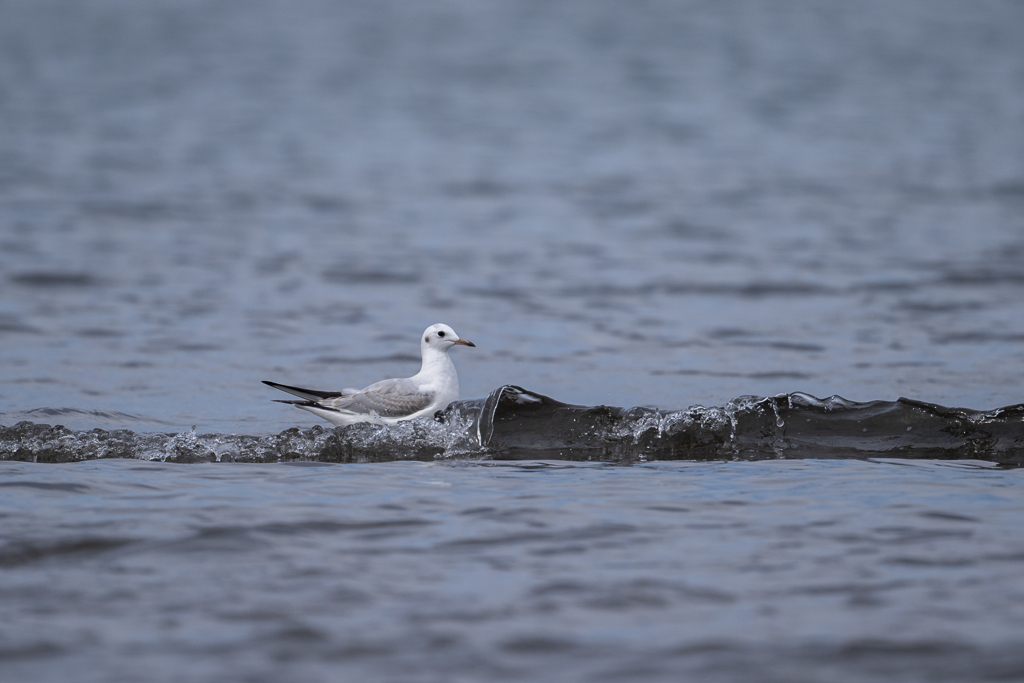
{"points": [[440, 334]]}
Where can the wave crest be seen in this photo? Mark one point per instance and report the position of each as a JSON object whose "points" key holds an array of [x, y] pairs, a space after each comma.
{"points": [[513, 423]]}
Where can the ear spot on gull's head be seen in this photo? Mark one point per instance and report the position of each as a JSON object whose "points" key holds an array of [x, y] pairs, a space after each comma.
{"points": [[426, 339]]}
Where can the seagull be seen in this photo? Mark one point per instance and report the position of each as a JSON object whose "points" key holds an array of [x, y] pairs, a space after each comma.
{"points": [[390, 401]]}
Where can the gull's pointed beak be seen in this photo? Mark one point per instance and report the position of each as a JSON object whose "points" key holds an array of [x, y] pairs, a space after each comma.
{"points": [[465, 342]]}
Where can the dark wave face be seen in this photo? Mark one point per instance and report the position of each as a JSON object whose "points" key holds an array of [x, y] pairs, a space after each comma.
{"points": [[513, 423]]}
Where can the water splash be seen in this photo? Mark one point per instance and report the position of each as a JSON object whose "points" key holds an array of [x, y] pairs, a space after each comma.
{"points": [[515, 423]]}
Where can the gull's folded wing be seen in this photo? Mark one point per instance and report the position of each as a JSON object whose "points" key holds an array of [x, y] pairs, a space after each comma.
{"points": [[389, 398]]}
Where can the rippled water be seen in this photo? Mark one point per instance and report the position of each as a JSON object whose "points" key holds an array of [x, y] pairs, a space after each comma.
{"points": [[769, 571], [713, 211], [675, 204]]}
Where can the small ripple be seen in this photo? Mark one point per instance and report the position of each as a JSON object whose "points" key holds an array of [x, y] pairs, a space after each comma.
{"points": [[479, 189], [11, 325], [596, 531], [914, 561], [330, 527], [49, 279], [538, 645], [948, 516], [977, 337], [30, 650], [21, 553], [98, 333], [71, 488], [350, 276]]}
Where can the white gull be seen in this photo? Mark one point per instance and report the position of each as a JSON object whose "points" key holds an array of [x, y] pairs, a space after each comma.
{"points": [[389, 401]]}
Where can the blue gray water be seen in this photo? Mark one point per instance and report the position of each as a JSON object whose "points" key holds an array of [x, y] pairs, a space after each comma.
{"points": [[659, 204], [703, 214], [745, 571]]}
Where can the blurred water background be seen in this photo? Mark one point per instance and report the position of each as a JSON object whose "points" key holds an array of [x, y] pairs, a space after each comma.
{"points": [[655, 203], [644, 203]]}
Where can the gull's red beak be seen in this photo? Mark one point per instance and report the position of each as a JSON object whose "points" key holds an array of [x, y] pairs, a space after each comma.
{"points": [[465, 342]]}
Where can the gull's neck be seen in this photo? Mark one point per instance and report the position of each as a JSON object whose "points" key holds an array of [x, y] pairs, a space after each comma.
{"points": [[438, 373], [436, 363]]}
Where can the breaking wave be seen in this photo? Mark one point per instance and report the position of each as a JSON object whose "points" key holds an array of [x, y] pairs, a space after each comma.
{"points": [[513, 423]]}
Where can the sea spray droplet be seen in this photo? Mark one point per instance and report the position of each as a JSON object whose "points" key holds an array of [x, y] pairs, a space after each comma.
{"points": [[187, 447]]}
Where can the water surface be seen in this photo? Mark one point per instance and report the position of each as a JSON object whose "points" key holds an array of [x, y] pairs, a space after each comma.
{"points": [[661, 204], [540, 571], [715, 211]]}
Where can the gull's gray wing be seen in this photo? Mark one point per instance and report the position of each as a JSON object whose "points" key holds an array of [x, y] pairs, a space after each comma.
{"points": [[388, 398]]}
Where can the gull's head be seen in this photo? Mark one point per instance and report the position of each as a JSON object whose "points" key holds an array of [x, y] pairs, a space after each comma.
{"points": [[442, 338]]}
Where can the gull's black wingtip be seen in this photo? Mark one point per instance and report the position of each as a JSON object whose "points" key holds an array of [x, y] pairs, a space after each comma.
{"points": [[307, 394]]}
